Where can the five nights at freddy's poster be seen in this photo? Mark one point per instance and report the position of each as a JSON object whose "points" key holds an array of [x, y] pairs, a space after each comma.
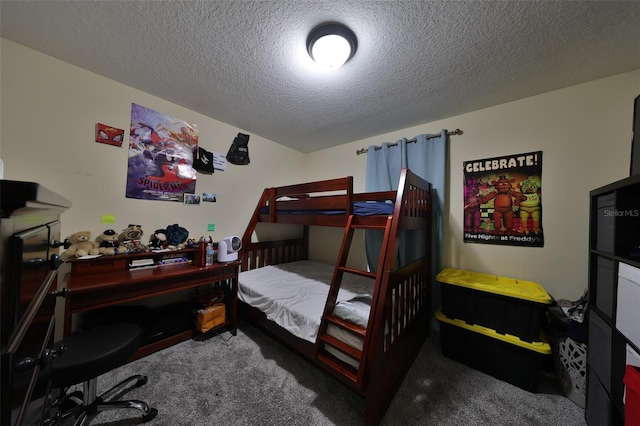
{"points": [[160, 156], [503, 200]]}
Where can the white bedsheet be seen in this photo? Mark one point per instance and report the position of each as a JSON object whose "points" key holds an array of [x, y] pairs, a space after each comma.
{"points": [[346, 337], [293, 295]]}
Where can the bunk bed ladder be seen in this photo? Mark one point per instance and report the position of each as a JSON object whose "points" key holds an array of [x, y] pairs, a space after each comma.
{"points": [[324, 340]]}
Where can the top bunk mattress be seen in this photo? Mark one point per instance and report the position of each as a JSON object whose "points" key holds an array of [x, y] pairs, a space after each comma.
{"points": [[360, 208], [293, 295]]}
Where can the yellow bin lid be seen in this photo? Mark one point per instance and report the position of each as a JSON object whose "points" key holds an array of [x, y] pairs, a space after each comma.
{"points": [[542, 347], [511, 287]]}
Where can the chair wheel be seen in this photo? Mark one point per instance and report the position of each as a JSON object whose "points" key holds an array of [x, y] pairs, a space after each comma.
{"points": [[141, 381], [152, 413]]}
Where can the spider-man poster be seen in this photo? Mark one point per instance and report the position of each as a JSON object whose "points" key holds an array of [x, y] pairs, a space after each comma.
{"points": [[160, 156], [503, 200]]}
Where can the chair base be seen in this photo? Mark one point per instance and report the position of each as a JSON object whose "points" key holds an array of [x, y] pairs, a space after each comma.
{"points": [[84, 406]]}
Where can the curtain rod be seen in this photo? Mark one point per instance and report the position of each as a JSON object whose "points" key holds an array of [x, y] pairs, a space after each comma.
{"points": [[454, 132]]}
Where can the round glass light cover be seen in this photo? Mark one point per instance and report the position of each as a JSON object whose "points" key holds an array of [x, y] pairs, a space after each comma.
{"points": [[331, 51]]}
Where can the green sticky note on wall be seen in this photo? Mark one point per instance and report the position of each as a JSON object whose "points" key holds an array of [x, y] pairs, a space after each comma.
{"points": [[108, 219], [211, 227]]}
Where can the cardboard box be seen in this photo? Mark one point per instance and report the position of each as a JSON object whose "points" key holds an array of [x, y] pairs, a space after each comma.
{"points": [[210, 317]]}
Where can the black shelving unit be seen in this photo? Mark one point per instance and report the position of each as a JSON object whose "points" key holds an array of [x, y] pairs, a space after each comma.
{"points": [[614, 239]]}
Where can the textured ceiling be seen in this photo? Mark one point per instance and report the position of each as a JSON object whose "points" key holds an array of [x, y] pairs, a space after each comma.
{"points": [[245, 63]]}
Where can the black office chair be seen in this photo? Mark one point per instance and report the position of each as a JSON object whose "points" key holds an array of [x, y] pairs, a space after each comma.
{"points": [[87, 355]]}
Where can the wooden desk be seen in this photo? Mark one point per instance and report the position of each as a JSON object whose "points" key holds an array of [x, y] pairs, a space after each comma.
{"points": [[108, 281]]}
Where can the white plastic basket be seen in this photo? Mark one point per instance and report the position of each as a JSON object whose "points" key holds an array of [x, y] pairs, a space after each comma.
{"points": [[571, 366]]}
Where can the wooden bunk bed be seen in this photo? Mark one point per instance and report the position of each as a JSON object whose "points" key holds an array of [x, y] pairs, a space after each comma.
{"points": [[398, 317]]}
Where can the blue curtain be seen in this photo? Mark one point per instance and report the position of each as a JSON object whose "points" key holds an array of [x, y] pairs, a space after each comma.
{"points": [[426, 157]]}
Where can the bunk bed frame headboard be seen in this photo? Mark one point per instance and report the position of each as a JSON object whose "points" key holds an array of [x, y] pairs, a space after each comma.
{"points": [[260, 254], [335, 194]]}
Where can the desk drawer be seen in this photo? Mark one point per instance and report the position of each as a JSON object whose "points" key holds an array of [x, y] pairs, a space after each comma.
{"points": [[81, 267]]}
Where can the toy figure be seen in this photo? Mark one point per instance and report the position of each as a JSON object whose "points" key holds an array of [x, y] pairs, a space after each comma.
{"points": [[159, 239], [131, 233], [109, 244]]}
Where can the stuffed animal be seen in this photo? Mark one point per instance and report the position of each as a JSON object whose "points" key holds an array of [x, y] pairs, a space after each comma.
{"points": [[108, 243], [81, 245], [134, 246], [177, 236], [131, 233], [159, 239]]}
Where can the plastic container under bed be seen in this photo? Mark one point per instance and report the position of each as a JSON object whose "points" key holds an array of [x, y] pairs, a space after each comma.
{"points": [[502, 356], [507, 305]]}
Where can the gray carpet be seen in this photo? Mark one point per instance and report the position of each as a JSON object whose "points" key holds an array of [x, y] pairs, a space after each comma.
{"points": [[250, 379]]}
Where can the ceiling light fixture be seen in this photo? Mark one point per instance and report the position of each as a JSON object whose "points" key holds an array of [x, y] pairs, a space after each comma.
{"points": [[331, 45]]}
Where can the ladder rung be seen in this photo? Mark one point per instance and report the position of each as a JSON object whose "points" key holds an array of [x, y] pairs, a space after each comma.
{"points": [[360, 272], [355, 329], [360, 226], [342, 347], [336, 365]]}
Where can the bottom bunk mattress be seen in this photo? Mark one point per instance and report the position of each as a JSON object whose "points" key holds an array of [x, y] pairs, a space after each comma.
{"points": [[293, 295]]}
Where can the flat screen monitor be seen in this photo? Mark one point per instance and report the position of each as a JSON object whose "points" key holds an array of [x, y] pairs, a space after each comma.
{"points": [[635, 138]]}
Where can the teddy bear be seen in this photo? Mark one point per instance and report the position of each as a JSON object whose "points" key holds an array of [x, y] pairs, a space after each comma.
{"points": [[81, 245], [108, 243]]}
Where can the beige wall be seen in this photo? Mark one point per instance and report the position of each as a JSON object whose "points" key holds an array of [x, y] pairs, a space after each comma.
{"points": [[49, 109], [584, 133]]}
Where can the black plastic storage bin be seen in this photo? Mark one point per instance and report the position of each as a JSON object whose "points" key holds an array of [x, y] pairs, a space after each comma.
{"points": [[506, 305], [501, 356]]}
